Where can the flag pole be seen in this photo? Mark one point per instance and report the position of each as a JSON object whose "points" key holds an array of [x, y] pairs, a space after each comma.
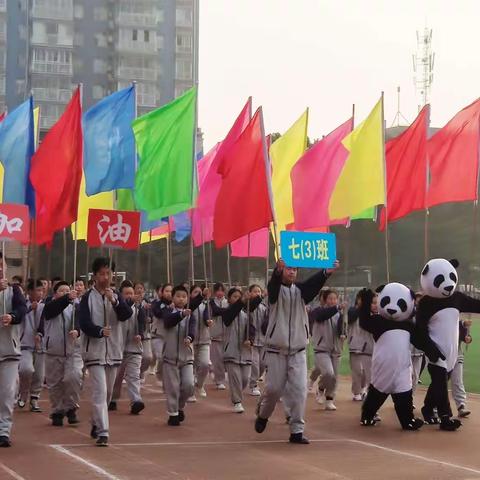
{"points": [[387, 251], [169, 279], [87, 263], [248, 264], [204, 255], [229, 274], [426, 248], [210, 255], [267, 258], [192, 262], [4, 296], [149, 258], [64, 272]]}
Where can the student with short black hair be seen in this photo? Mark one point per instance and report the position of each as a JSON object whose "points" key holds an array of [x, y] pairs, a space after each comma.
{"points": [[217, 333], [100, 312]]}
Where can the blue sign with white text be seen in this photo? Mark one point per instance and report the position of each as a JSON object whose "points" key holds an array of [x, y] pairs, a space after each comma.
{"points": [[308, 249]]}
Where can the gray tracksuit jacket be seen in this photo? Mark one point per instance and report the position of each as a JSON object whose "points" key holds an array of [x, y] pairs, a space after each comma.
{"points": [[177, 329], [134, 326], [31, 327], [217, 330], [10, 336], [95, 312], [158, 328], [57, 321], [257, 318], [359, 340], [202, 331], [287, 331], [326, 327]]}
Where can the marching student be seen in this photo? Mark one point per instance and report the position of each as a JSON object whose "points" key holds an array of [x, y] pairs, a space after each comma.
{"points": [[12, 312], [178, 355], [258, 360], [80, 288], [63, 361], [286, 342], [418, 357], [158, 330], [458, 388], [327, 340], [100, 312], [217, 331], [32, 364], [132, 355], [147, 355]]}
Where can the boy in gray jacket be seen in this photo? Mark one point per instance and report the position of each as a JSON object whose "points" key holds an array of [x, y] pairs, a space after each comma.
{"points": [[63, 354], [100, 312], [31, 370], [217, 331], [285, 344], [10, 319]]}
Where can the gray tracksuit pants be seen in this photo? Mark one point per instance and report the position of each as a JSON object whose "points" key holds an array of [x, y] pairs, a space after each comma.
{"points": [[216, 355], [64, 381], [8, 389], [130, 370], [200, 363], [327, 365], [178, 384], [31, 371], [238, 377], [258, 366], [416, 367], [157, 348], [361, 370], [287, 378], [103, 379], [458, 389]]}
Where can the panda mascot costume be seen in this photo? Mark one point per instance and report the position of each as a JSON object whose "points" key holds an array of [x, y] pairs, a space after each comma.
{"points": [[393, 330], [438, 315]]}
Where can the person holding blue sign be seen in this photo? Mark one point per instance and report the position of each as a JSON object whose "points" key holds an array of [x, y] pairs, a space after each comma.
{"points": [[286, 341]]}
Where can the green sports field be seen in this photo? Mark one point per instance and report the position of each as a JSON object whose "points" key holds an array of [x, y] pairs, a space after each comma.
{"points": [[471, 368]]}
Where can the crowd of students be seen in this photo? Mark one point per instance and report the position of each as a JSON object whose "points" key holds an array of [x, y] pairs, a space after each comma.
{"points": [[56, 334]]}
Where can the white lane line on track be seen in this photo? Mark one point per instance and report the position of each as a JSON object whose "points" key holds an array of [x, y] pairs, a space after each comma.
{"points": [[13, 474], [98, 470]]}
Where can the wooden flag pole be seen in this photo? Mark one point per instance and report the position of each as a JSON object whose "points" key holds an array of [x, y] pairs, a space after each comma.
{"points": [[64, 271], [210, 258], [229, 274], [248, 265]]}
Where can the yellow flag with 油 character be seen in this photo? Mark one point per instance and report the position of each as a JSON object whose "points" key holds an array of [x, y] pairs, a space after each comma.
{"points": [[284, 153], [102, 201], [361, 183]]}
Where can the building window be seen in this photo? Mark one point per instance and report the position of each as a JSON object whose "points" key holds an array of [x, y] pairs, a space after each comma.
{"points": [[52, 28], [146, 36], [183, 69], [134, 35], [100, 14], [98, 92], [78, 11], [78, 39], [100, 40], [184, 16], [99, 66], [184, 43]]}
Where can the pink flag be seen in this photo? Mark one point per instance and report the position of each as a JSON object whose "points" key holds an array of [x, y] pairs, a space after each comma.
{"points": [[258, 245], [314, 177]]}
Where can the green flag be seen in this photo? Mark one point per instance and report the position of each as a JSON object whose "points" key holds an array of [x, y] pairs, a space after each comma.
{"points": [[164, 137], [368, 214]]}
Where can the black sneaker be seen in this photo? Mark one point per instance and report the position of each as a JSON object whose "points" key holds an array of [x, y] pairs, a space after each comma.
{"points": [[368, 422], [181, 416], [429, 417], [112, 407], [136, 408], [299, 438], [34, 406], [5, 442], [57, 419], [260, 424], [102, 442], [449, 425], [414, 424], [173, 421], [93, 432], [72, 417], [21, 403]]}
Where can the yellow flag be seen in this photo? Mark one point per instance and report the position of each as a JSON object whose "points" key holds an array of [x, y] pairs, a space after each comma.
{"points": [[361, 184], [101, 200], [145, 238], [284, 153], [36, 124]]}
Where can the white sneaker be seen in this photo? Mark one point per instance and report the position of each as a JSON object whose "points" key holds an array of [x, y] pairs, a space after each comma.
{"points": [[329, 405], [192, 399], [221, 386], [320, 397], [255, 392], [202, 392], [310, 386], [357, 398], [238, 408]]}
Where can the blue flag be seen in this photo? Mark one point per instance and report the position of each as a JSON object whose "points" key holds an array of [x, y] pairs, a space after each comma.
{"points": [[17, 142], [109, 146]]}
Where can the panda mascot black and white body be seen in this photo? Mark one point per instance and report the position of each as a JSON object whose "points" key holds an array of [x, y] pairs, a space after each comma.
{"points": [[393, 330], [438, 315]]}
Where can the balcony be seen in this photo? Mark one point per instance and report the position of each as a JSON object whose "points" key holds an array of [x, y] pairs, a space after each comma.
{"points": [[137, 47], [146, 99], [52, 12], [52, 67], [52, 94], [52, 40], [137, 73], [138, 19]]}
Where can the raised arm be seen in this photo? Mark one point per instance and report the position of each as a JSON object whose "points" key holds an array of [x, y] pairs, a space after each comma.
{"points": [[19, 306], [228, 316], [85, 319], [55, 307], [195, 302], [468, 304], [122, 309], [322, 314], [311, 287], [171, 319], [274, 285]]}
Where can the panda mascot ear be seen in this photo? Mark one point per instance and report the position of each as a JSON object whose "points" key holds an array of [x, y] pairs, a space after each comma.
{"points": [[426, 269], [412, 293], [455, 263], [380, 288]]}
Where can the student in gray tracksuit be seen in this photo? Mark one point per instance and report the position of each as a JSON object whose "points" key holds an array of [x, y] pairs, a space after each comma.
{"points": [[178, 355], [31, 370], [217, 332], [100, 312], [257, 317], [63, 361], [285, 344], [456, 378], [202, 317], [10, 319], [147, 355], [134, 329]]}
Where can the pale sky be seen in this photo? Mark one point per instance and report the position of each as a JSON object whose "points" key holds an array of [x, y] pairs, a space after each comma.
{"points": [[329, 54]]}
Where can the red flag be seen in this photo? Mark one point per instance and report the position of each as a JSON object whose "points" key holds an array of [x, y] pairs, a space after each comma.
{"points": [[14, 223], [56, 173], [243, 203], [453, 158], [406, 159]]}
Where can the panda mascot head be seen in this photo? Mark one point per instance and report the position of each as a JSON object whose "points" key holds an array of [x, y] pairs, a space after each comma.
{"points": [[439, 278], [395, 301]]}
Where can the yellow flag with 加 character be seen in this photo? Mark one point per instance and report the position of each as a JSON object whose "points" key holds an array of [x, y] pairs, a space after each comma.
{"points": [[361, 184]]}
